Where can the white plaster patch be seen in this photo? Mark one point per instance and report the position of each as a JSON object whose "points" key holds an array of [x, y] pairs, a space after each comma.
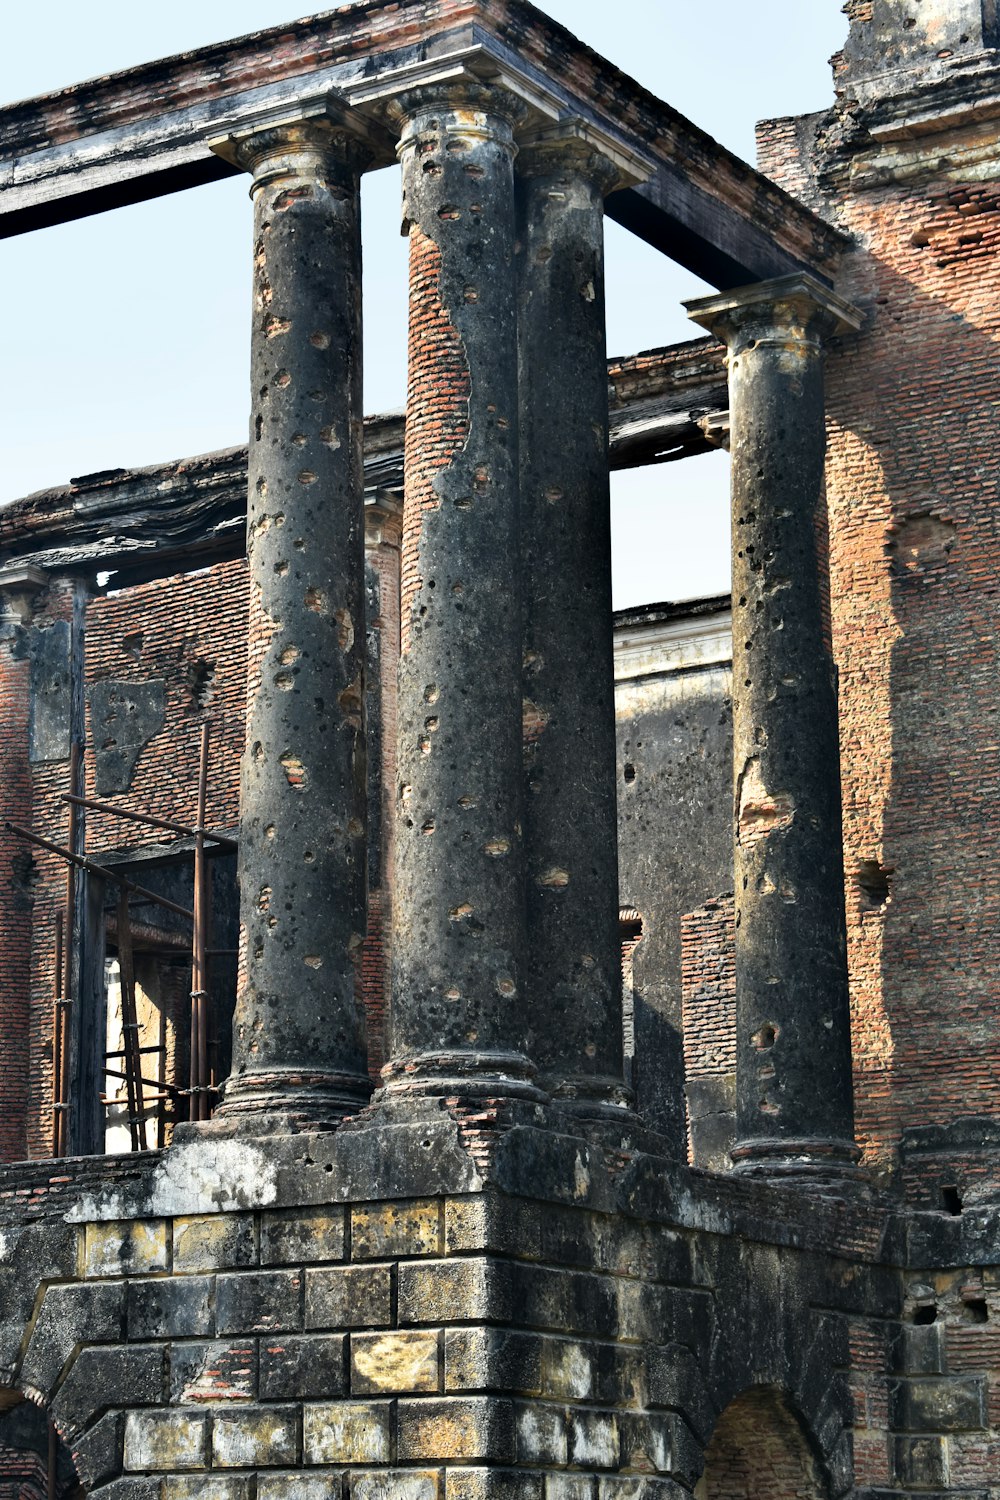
{"points": [[200, 1177]]}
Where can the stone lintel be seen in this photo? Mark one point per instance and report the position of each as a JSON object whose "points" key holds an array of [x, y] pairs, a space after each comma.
{"points": [[19, 584], [570, 134], [799, 290], [21, 579]]}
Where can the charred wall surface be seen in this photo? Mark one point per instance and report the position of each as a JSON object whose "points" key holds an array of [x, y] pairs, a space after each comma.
{"points": [[674, 726]]}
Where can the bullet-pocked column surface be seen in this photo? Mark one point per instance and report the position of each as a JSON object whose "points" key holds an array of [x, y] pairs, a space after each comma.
{"points": [[794, 1109], [574, 967], [458, 990], [298, 1042]]}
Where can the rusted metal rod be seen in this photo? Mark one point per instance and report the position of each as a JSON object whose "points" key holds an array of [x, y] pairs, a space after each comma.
{"points": [[130, 1027], [199, 998], [83, 863], [58, 1006], [59, 1041], [52, 1464], [109, 1101], [168, 823], [150, 1083]]}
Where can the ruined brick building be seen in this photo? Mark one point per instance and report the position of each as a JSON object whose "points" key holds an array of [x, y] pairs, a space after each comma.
{"points": [[375, 1122]]}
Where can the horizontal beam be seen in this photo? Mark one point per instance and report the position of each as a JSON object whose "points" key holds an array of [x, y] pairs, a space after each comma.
{"points": [[171, 518], [144, 132]]}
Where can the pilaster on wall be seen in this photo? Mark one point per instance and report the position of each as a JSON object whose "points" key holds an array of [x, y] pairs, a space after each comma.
{"points": [[41, 680], [17, 590]]}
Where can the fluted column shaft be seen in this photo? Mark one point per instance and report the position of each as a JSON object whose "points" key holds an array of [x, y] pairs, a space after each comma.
{"points": [[458, 988], [574, 972], [793, 1043], [298, 1039]]}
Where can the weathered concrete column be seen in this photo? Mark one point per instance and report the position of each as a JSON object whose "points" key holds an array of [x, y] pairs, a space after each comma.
{"points": [[459, 1015], [298, 1037], [794, 1109], [574, 964]]}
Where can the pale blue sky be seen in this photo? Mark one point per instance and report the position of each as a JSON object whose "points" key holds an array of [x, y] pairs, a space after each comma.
{"points": [[126, 335]]}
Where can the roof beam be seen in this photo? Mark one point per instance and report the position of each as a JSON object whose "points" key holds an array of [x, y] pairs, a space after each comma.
{"points": [[171, 518], [144, 132]]}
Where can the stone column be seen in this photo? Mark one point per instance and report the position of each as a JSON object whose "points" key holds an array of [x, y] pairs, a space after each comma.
{"points": [[794, 1110], [574, 970], [459, 1018], [298, 1037]]}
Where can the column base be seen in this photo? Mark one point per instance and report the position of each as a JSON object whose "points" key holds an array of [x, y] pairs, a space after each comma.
{"points": [[599, 1098], [486, 1075], [811, 1159], [283, 1101]]}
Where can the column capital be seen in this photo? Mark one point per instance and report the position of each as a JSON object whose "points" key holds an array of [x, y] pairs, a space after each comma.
{"points": [[572, 145], [541, 108], [310, 140], [465, 106], [797, 308]]}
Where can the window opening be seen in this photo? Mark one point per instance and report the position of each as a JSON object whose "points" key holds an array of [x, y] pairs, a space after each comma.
{"points": [[161, 954]]}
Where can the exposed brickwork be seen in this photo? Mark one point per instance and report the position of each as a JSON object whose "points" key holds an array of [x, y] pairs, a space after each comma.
{"points": [[758, 1448], [708, 988], [708, 1010], [192, 633], [22, 1475], [438, 399], [373, 980]]}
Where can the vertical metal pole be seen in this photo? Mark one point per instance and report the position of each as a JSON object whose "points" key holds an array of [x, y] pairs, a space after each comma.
{"points": [[130, 1028], [57, 1029], [62, 1033], [199, 1009], [161, 1072], [52, 1464]]}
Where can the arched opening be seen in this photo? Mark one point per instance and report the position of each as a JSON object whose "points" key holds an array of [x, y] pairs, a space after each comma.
{"points": [[759, 1448], [35, 1463]]}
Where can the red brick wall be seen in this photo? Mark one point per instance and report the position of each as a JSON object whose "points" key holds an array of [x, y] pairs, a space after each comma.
{"points": [[912, 478], [190, 632], [22, 1475], [708, 994], [759, 1449], [708, 988]]}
